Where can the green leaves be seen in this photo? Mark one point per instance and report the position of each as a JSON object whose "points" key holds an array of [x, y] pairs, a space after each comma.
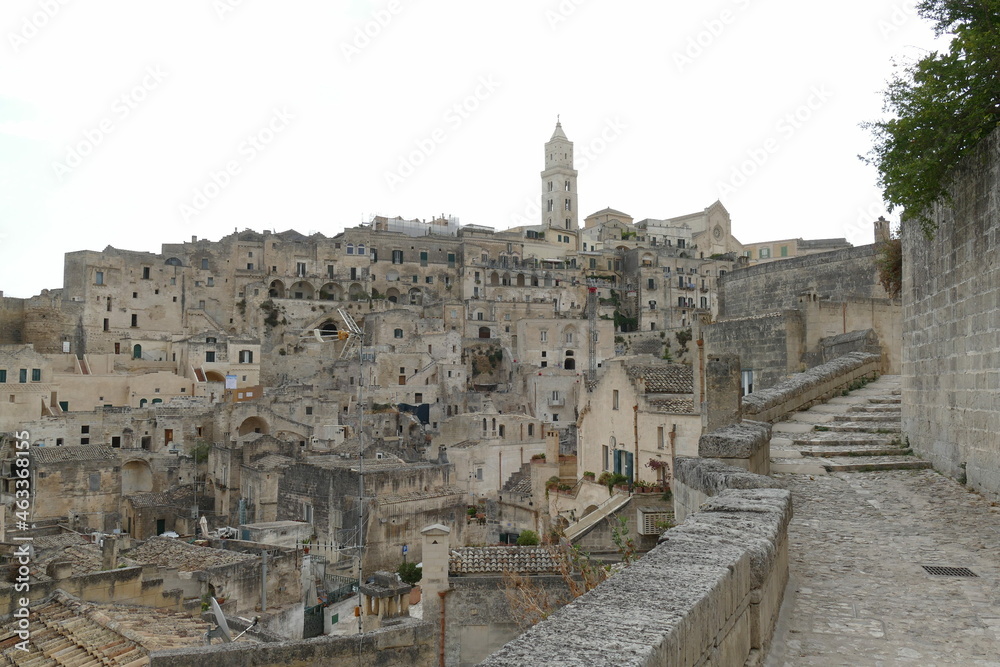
{"points": [[941, 106]]}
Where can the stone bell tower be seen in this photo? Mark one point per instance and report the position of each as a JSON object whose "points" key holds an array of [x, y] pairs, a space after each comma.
{"points": [[559, 194]]}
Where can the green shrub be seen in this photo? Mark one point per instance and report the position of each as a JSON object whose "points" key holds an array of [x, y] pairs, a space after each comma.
{"points": [[410, 573], [527, 538]]}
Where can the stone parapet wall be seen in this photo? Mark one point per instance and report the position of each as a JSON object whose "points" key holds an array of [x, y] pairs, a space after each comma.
{"points": [[803, 390], [951, 325], [774, 286], [696, 480], [410, 643], [746, 445], [708, 593]]}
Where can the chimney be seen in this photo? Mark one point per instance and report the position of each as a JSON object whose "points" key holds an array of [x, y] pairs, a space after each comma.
{"points": [[435, 551], [109, 553]]}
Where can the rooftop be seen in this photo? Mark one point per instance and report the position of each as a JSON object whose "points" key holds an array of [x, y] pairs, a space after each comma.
{"points": [[497, 560], [664, 378], [68, 631], [170, 552], [73, 453]]}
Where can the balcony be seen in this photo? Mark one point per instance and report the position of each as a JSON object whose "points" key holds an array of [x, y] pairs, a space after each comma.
{"points": [[556, 402]]}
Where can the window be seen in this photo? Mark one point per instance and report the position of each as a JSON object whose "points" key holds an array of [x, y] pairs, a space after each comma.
{"points": [[249, 266], [548, 206], [329, 270], [22, 375], [659, 437], [550, 186], [397, 256], [145, 273], [85, 429], [246, 356], [746, 378], [451, 260], [361, 248], [784, 251], [650, 283], [99, 278], [566, 186], [211, 281], [116, 441], [423, 258], [543, 335], [3, 374], [107, 324], [397, 333], [135, 320], [309, 410], [704, 302], [210, 356], [418, 398], [555, 417], [479, 474], [593, 263], [350, 248], [764, 253], [567, 205], [569, 337], [204, 263], [36, 374], [300, 269]]}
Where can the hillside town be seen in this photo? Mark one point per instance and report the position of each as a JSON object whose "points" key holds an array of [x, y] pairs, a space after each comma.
{"points": [[275, 423]]}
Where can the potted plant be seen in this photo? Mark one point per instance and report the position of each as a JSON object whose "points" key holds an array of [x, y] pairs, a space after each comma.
{"points": [[589, 476]]}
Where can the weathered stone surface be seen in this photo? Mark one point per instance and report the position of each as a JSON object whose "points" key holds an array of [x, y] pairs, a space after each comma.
{"points": [[951, 320], [736, 441], [713, 477], [858, 593], [800, 383]]}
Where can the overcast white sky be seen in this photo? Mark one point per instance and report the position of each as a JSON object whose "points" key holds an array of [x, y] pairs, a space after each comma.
{"points": [[134, 123]]}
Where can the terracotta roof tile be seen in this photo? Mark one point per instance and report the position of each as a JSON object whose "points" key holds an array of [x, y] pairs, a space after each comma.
{"points": [[496, 560]]}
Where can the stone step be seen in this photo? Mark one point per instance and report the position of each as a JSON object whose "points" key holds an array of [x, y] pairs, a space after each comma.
{"points": [[797, 466], [885, 400], [874, 417], [833, 439], [861, 427], [856, 451], [874, 463], [887, 409], [791, 427]]}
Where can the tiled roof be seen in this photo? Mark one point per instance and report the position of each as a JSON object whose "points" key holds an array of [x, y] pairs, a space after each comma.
{"points": [[679, 406], [67, 631], [665, 378], [272, 461], [171, 552], [181, 498], [73, 453], [496, 560], [84, 558], [388, 498]]}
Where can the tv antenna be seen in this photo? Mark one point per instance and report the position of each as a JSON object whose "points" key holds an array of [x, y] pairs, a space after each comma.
{"points": [[221, 629]]}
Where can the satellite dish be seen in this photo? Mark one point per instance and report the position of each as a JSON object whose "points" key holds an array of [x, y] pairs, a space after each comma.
{"points": [[221, 625]]}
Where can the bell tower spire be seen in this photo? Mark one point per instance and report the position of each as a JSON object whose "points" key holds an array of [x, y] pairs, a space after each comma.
{"points": [[559, 194]]}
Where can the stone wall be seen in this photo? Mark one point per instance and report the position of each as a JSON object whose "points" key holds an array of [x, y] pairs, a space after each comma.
{"points": [[803, 390], [410, 643], [709, 593], [765, 288], [11, 320], [951, 319], [769, 344]]}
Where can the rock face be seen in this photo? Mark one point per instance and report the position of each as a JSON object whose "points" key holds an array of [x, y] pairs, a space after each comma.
{"points": [[951, 293]]}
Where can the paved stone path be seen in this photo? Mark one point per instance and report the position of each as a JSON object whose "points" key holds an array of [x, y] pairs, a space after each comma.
{"points": [[857, 593]]}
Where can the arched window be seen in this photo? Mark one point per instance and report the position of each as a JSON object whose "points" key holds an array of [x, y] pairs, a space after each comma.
{"points": [[350, 248], [361, 248]]}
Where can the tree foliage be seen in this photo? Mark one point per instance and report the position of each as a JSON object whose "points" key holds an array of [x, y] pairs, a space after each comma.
{"points": [[410, 573], [939, 108], [889, 262]]}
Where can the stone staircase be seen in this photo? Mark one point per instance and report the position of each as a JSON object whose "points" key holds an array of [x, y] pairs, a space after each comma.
{"points": [[859, 432]]}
